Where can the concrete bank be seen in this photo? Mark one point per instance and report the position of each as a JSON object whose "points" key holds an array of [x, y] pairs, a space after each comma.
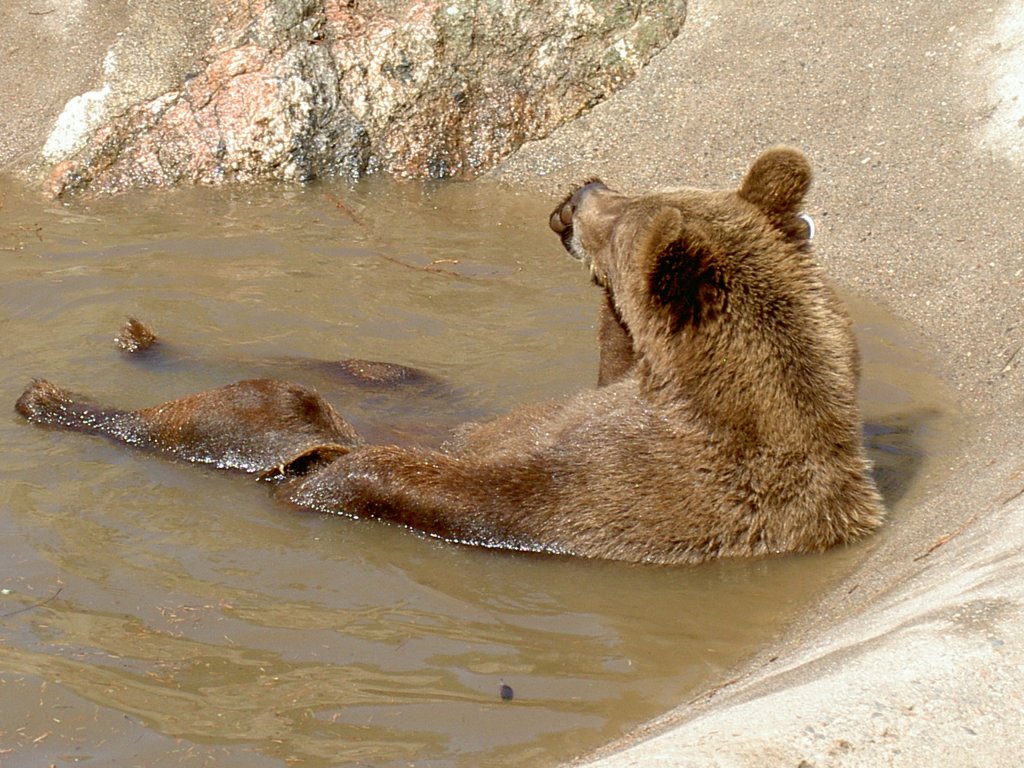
{"points": [[913, 114]]}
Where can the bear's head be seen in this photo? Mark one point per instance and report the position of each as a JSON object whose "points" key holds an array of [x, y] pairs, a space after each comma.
{"points": [[720, 294]]}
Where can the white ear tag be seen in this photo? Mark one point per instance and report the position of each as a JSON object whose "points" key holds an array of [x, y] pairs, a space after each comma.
{"points": [[810, 224]]}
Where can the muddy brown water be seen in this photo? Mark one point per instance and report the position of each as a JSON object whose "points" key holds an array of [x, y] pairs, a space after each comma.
{"points": [[155, 613]]}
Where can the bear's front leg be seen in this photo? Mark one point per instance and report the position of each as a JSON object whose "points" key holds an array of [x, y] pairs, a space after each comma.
{"points": [[452, 497], [615, 344], [253, 425]]}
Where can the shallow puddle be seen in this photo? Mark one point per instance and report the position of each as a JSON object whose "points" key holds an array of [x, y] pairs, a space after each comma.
{"points": [[157, 614]]}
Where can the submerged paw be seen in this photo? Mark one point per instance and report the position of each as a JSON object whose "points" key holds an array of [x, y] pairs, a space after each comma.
{"points": [[135, 336], [43, 402]]}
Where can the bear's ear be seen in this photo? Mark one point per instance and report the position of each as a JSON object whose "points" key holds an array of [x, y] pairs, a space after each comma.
{"points": [[778, 181], [683, 275]]}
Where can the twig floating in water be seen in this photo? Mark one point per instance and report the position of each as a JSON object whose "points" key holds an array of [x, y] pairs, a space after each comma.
{"points": [[30, 607]]}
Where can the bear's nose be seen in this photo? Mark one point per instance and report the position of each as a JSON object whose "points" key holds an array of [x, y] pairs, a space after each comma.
{"points": [[561, 218]]}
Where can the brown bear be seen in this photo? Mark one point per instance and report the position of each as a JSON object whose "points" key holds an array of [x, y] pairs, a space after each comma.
{"points": [[724, 423]]}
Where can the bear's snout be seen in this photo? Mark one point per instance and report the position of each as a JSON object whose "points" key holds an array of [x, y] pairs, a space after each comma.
{"points": [[561, 217]]}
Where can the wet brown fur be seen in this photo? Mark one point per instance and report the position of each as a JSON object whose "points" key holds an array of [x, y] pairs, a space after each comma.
{"points": [[725, 422], [254, 426]]}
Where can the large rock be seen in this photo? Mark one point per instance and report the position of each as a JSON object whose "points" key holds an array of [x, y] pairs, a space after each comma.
{"points": [[296, 89]]}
